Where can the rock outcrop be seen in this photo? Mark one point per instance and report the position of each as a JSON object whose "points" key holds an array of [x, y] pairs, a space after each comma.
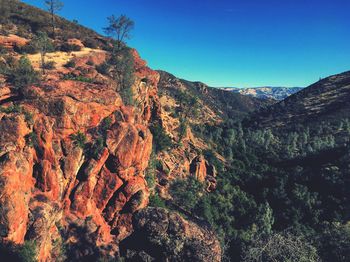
{"points": [[161, 235], [51, 186]]}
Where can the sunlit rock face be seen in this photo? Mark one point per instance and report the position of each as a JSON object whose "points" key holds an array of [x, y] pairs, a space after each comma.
{"points": [[51, 187]]}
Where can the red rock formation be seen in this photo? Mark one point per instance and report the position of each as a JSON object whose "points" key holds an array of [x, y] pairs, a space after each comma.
{"points": [[204, 172], [12, 40], [49, 186]]}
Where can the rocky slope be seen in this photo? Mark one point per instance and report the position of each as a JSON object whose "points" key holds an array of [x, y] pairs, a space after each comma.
{"points": [[186, 105], [215, 104], [276, 93]]}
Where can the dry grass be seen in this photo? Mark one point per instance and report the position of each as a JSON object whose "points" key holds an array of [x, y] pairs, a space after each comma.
{"points": [[61, 58]]}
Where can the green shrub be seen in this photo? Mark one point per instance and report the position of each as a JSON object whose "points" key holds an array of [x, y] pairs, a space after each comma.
{"points": [[97, 147], [70, 47], [28, 252], [105, 125], [182, 128], [103, 68], [3, 68], [156, 201], [26, 49], [90, 43], [70, 64], [23, 74], [127, 96], [79, 139], [11, 109], [186, 192], [49, 65], [28, 117], [161, 140], [34, 46], [3, 50], [32, 139], [90, 63], [151, 171]]}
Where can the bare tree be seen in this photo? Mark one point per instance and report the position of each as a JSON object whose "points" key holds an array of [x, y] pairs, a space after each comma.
{"points": [[53, 6], [279, 247], [119, 29]]}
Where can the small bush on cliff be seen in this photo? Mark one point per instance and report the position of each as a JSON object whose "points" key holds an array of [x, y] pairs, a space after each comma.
{"points": [[3, 50], [70, 64], [79, 139], [28, 252], [151, 171], [103, 68], [70, 48], [105, 125], [97, 147], [23, 74], [28, 117], [182, 128], [91, 43], [11, 109], [156, 201], [32, 139], [161, 140], [26, 49], [49, 65]]}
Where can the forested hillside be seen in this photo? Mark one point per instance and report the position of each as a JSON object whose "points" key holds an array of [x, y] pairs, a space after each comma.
{"points": [[285, 178]]}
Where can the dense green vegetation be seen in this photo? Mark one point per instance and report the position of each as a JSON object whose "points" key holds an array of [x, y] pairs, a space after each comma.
{"points": [[276, 181], [18, 253], [79, 139]]}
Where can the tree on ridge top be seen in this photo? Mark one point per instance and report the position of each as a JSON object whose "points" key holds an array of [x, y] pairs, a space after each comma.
{"points": [[119, 28], [53, 6]]}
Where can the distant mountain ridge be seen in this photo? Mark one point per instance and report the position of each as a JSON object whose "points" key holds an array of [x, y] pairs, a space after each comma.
{"points": [[267, 92], [327, 99]]}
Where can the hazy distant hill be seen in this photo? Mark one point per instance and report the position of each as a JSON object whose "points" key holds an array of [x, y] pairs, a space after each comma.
{"points": [[277, 93]]}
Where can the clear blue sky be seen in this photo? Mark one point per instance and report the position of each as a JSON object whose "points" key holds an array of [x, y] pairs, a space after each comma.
{"points": [[232, 42]]}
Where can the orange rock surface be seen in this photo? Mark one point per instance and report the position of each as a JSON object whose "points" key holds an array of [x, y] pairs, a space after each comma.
{"points": [[50, 185]]}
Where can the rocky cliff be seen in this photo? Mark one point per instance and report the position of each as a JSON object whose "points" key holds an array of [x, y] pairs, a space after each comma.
{"points": [[73, 156], [49, 184]]}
